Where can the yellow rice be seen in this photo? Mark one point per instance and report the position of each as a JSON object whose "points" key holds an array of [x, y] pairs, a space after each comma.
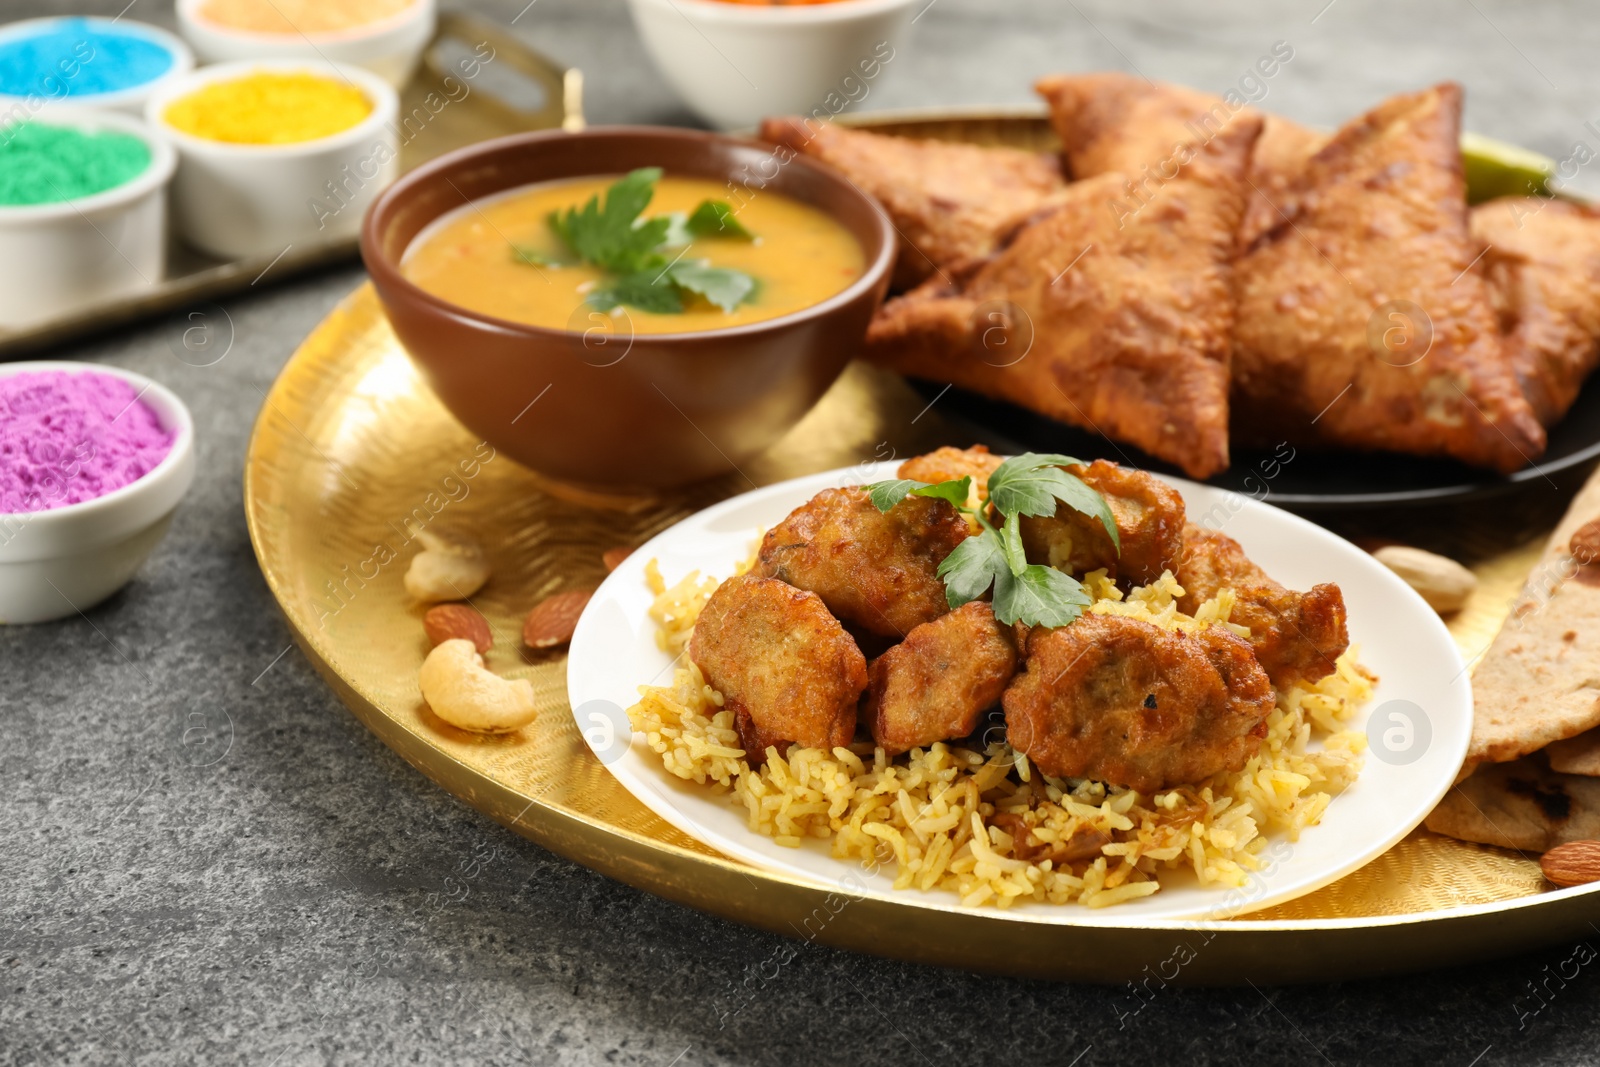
{"points": [[926, 815]]}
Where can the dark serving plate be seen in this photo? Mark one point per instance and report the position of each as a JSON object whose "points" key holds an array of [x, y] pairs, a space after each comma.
{"points": [[1298, 478]]}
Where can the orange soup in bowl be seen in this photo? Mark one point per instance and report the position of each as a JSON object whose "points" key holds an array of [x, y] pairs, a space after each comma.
{"points": [[665, 252]]}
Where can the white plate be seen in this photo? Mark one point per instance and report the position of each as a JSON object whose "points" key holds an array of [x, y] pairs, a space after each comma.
{"points": [[1419, 718]]}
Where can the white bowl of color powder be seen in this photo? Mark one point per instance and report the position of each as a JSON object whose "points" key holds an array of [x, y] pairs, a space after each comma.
{"points": [[93, 463], [83, 212]]}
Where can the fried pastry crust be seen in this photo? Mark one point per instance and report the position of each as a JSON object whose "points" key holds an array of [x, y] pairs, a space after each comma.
{"points": [[878, 570], [782, 663], [934, 684], [1125, 702], [950, 202], [1542, 263], [1297, 637], [1323, 353], [1124, 123], [1150, 519], [1104, 314]]}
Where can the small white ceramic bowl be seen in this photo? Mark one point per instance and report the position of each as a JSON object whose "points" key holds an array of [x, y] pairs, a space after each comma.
{"points": [[59, 562], [238, 200], [389, 48], [55, 258], [53, 97], [735, 64]]}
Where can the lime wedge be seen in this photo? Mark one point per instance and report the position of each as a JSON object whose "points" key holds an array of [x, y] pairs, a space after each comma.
{"points": [[1495, 168]]}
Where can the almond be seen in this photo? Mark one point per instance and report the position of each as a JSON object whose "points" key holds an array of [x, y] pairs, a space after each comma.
{"points": [[445, 622], [551, 623], [613, 557], [1585, 543], [1574, 863]]}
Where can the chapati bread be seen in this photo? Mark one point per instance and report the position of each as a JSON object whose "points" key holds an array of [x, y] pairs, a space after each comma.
{"points": [[1540, 680], [1522, 805], [1577, 755]]}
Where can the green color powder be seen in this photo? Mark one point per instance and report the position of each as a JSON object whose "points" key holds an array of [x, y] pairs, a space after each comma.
{"points": [[42, 164]]}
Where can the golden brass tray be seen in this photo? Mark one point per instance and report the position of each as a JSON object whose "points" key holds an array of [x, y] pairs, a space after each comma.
{"points": [[350, 443]]}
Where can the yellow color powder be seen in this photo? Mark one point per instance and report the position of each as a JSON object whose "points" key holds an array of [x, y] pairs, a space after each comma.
{"points": [[301, 16], [270, 107]]}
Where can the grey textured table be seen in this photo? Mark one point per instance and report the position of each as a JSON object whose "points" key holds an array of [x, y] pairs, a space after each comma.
{"points": [[287, 904]]}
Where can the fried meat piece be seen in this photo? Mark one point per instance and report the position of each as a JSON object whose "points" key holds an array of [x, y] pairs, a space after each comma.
{"points": [[1140, 129], [1125, 702], [948, 464], [782, 663], [874, 569], [934, 684], [1109, 317], [1296, 636], [1543, 267], [951, 202], [1150, 520], [1361, 324]]}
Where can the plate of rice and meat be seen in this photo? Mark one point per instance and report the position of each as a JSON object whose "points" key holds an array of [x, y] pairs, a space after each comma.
{"points": [[1026, 683]]}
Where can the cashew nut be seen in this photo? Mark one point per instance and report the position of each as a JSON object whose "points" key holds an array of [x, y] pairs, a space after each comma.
{"points": [[465, 693], [445, 569]]}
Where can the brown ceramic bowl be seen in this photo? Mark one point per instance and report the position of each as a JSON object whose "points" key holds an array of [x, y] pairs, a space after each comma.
{"points": [[623, 414]]}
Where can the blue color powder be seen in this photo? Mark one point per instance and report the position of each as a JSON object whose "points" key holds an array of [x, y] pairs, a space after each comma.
{"points": [[77, 57]]}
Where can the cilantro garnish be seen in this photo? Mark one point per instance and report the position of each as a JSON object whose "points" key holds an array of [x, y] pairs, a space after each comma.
{"points": [[615, 237], [714, 218], [1029, 484], [725, 288]]}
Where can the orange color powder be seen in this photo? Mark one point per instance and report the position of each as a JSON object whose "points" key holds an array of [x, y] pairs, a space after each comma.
{"points": [[301, 16]]}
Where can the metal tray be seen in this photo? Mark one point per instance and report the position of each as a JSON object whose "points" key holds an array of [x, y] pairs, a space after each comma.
{"points": [[350, 442]]}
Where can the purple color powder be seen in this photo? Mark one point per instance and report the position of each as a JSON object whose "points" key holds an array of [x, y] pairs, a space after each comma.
{"points": [[67, 437]]}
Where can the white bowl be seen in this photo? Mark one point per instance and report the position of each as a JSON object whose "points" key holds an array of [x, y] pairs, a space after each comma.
{"points": [[55, 258], [238, 200], [130, 101], [59, 562], [389, 48], [735, 64]]}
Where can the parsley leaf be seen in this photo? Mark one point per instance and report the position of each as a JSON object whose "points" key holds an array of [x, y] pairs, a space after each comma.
{"points": [[647, 290], [1011, 544], [956, 492], [1031, 484], [723, 287], [714, 218], [972, 567], [885, 495], [1039, 596], [614, 237]]}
